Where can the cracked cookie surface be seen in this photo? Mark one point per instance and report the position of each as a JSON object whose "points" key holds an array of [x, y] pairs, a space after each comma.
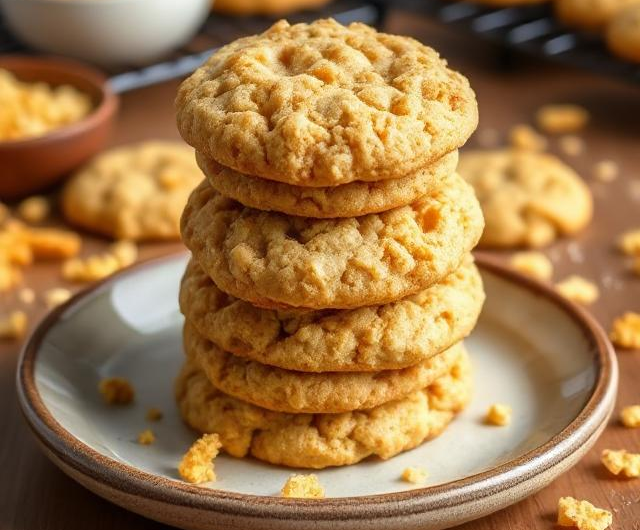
{"points": [[322, 104], [346, 200], [322, 440], [528, 199], [326, 392], [370, 338], [134, 192], [274, 260]]}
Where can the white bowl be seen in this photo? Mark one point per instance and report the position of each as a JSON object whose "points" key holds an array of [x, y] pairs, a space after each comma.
{"points": [[106, 32]]}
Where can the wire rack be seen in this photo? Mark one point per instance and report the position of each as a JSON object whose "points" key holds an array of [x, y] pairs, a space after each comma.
{"points": [[530, 29], [215, 32]]}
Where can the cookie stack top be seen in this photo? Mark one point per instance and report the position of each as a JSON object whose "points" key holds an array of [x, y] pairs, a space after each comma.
{"points": [[330, 153]]}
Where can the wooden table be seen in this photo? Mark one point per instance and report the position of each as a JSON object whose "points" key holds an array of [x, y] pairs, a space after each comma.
{"points": [[35, 495]]}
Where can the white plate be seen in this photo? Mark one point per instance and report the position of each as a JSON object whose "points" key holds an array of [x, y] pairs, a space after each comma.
{"points": [[531, 349]]}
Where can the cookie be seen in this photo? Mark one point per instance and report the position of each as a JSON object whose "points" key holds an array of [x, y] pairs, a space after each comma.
{"points": [[264, 7], [623, 34], [322, 104], [274, 260], [528, 199], [371, 338], [322, 440], [134, 192], [292, 391], [591, 15], [346, 200]]}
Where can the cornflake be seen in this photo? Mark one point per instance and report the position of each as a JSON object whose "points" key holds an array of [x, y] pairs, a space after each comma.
{"points": [[629, 242], [621, 462], [630, 416], [116, 391], [34, 209], [146, 437], [525, 137], [90, 269], [14, 325], [56, 296], [499, 414], [414, 475], [582, 514], [302, 487], [625, 331], [533, 264], [578, 289], [197, 463], [606, 171], [571, 145], [556, 119], [52, 244]]}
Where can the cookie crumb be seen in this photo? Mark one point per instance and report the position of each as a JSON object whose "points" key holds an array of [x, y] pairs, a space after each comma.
{"points": [[582, 515], [34, 209], [52, 243], [499, 414], [197, 463], [630, 416], [126, 252], [563, 118], [533, 264], [26, 295], [154, 414], [146, 437], [629, 242], [90, 269], [625, 331], [525, 137], [578, 289], [606, 171], [56, 296], [621, 462], [14, 325], [302, 487], [10, 276], [116, 391], [414, 475], [571, 145]]}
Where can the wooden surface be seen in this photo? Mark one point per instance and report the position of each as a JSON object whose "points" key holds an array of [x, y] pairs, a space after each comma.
{"points": [[35, 495]]}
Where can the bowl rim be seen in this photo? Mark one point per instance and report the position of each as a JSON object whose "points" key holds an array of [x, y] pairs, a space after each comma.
{"points": [[67, 451], [102, 112]]}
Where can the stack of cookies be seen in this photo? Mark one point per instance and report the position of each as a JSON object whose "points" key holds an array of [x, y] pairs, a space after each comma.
{"points": [[331, 281]]}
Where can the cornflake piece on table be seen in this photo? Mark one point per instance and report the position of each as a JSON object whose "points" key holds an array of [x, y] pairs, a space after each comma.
{"points": [[303, 487], [34, 209], [630, 416], [14, 325], [621, 461], [499, 414], [578, 289], [525, 137], [90, 269], [625, 331], [116, 391], [571, 145], [564, 118], [197, 463], [414, 475], [56, 296], [26, 295], [606, 170], [10, 276], [533, 264], [582, 515], [629, 242], [146, 437], [52, 243]]}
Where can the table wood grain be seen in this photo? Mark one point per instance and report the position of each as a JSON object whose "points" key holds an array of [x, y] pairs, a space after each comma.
{"points": [[34, 495]]}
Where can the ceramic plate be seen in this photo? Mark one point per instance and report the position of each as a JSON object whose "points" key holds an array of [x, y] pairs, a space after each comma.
{"points": [[531, 349]]}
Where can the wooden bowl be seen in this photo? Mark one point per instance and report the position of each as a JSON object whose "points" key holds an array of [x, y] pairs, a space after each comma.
{"points": [[34, 163]]}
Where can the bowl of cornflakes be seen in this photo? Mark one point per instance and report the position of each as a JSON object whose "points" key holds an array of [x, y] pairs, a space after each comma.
{"points": [[106, 32], [55, 115]]}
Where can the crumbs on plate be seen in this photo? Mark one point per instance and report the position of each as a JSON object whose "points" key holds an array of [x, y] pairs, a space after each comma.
{"points": [[499, 414], [414, 475], [153, 414], [146, 437], [303, 487], [116, 391], [196, 466]]}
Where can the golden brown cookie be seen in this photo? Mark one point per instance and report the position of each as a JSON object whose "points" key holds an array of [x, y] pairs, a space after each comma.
{"points": [[623, 34], [322, 440], [292, 391], [528, 199], [591, 15], [264, 7], [391, 336], [274, 260], [133, 192], [346, 200], [322, 104]]}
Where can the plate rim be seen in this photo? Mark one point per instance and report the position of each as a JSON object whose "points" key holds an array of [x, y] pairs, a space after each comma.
{"points": [[130, 480]]}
